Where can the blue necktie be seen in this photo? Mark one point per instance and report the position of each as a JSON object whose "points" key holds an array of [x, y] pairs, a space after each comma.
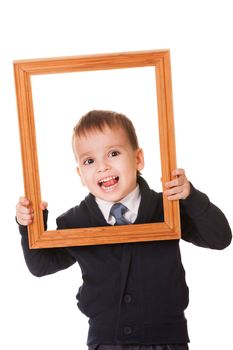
{"points": [[117, 211]]}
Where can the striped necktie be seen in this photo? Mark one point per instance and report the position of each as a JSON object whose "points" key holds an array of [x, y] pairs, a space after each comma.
{"points": [[117, 211]]}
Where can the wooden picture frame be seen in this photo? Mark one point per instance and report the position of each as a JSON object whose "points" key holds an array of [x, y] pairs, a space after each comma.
{"points": [[24, 70]]}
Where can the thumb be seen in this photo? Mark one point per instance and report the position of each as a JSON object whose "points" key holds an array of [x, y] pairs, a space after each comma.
{"points": [[43, 205]]}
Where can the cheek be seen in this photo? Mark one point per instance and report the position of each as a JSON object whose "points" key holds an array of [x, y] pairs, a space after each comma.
{"points": [[88, 176], [82, 179], [82, 176], [130, 170]]}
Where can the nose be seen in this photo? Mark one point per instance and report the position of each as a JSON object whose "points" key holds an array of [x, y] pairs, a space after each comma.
{"points": [[103, 166]]}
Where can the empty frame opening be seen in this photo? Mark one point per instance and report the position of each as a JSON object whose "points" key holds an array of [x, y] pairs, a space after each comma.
{"points": [[59, 100]]}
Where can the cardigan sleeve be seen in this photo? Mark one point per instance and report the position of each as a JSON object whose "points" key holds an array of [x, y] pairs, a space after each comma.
{"points": [[202, 223], [44, 261]]}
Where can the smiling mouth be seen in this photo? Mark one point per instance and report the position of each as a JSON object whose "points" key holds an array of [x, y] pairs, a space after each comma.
{"points": [[109, 182]]}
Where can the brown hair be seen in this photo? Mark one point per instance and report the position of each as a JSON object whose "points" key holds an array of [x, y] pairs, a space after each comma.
{"points": [[98, 119]]}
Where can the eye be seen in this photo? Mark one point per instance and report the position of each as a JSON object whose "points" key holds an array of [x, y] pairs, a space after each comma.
{"points": [[88, 161], [114, 154]]}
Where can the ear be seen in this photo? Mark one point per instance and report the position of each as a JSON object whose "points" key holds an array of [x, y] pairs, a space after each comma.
{"points": [[139, 159], [80, 175]]}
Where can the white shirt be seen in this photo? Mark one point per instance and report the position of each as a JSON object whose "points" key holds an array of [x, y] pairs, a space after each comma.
{"points": [[131, 201]]}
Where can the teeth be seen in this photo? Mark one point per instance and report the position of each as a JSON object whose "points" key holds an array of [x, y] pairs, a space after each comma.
{"points": [[108, 179]]}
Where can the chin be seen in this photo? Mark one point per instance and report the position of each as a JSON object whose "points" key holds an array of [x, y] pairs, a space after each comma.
{"points": [[111, 197]]}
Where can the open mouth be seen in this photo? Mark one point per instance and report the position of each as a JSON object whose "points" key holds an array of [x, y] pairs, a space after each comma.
{"points": [[109, 182]]}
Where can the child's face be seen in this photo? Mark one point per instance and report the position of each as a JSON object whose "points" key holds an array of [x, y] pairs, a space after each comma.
{"points": [[107, 163]]}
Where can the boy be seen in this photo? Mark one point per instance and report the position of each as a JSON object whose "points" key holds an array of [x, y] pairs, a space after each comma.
{"points": [[134, 294]]}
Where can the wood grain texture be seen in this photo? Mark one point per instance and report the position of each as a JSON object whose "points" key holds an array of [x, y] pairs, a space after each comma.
{"points": [[23, 70]]}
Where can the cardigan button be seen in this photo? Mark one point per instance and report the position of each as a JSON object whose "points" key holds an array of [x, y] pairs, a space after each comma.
{"points": [[127, 330], [127, 298]]}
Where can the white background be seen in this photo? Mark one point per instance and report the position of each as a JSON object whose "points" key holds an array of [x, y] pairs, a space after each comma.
{"points": [[59, 101], [41, 312]]}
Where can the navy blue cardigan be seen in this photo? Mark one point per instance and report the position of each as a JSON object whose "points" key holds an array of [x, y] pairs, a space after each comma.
{"points": [[133, 293]]}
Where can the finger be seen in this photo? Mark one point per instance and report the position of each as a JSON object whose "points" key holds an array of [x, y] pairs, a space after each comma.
{"points": [[43, 205], [178, 172], [20, 209], [27, 216], [24, 219], [24, 201], [179, 181], [174, 191], [24, 222], [175, 197]]}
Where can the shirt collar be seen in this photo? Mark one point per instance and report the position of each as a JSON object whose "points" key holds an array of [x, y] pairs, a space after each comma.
{"points": [[131, 201]]}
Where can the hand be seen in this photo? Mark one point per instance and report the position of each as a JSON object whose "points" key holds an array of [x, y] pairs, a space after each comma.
{"points": [[24, 211], [179, 188]]}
